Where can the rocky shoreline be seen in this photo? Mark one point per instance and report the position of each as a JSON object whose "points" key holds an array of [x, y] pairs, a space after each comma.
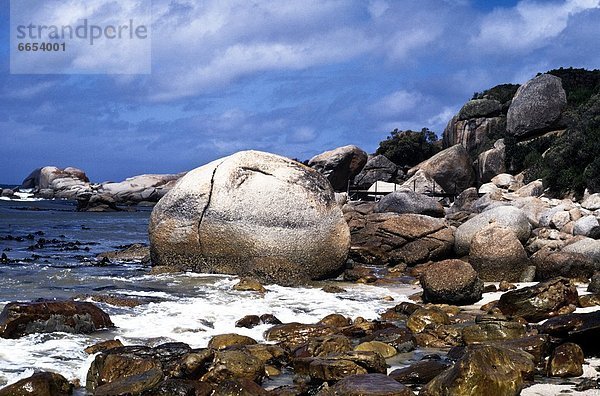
{"points": [[457, 224]]}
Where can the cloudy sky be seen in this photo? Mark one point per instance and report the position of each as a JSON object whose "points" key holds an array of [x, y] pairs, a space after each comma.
{"points": [[290, 77]]}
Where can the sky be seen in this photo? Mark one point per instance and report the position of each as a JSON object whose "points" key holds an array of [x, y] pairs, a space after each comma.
{"points": [[294, 77]]}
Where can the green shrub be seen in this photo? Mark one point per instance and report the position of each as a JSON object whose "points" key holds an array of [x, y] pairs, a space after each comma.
{"points": [[408, 148]]}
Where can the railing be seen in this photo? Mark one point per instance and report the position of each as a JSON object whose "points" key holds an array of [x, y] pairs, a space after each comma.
{"points": [[356, 194]]}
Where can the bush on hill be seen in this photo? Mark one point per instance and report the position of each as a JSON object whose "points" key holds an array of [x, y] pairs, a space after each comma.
{"points": [[408, 148]]}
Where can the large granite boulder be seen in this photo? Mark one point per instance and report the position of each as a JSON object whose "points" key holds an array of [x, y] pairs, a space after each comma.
{"points": [[410, 202], [451, 282], [477, 108], [505, 216], [451, 168], [377, 168], [252, 214], [497, 254], [492, 162], [421, 182], [537, 106], [473, 133], [20, 318], [390, 238], [587, 247], [340, 165]]}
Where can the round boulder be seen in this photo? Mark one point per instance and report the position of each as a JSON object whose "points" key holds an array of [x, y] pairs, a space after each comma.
{"points": [[505, 216], [252, 214], [410, 202], [537, 106], [497, 254], [451, 282]]}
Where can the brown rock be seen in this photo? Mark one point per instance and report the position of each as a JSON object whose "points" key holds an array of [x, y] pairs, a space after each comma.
{"points": [[424, 316], [385, 350], [39, 384], [238, 364], [222, 341], [451, 282], [103, 346], [368, 384], [131, 385], [249, 284], [420, 372], [566, 361], [18, 319], [292, 335]]}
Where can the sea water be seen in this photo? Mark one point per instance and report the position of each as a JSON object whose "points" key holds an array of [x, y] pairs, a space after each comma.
{"points": [[190, 308]]}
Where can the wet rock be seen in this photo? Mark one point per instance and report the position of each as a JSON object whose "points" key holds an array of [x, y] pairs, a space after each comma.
{"points": [[117, 300], [269, 319], [424, 316], [497, 255], [324, 346], [178, 387], [338, 366], [506, 286], [541, 301], [335, 320], [367, 384], [119, 363], [377, 168], [133, 252], [292, 335], [385, 350], [234, 363], [492, 331], [589, 300], [484, 370], [239, 387], [19, 319], [340, 165], [248, 321], [420, 372], [103, 346], [249, 284], [537, 346], [537, 106], [550, 264], [401, 338], [451, 168], [333, 289], [508, 217], [251, 214], [410, 202], [451, 282], [580, 328], [388, 238], [39, 384], [440, 336], [566, 361], [223, 341], [594, 286], [131, 385]]}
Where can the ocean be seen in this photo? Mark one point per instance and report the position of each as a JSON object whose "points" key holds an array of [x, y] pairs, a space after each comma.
{"points": [[52, 251]]}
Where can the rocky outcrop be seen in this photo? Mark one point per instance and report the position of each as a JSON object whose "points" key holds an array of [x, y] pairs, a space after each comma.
{"points": [[52, 182], [474, 133], [251, 214], [451, 282], [340, 165], [149, 188], [508, 217], [18, 319], [377, 168], [410, 202], [537, 106], [452, 169], [389, 238], [497, 254]]}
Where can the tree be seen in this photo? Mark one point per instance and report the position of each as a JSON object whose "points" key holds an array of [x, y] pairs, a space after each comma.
{"points": [[408, 148]]}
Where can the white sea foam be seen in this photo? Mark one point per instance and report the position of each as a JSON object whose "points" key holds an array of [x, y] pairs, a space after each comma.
{"points": [[213, 308]]}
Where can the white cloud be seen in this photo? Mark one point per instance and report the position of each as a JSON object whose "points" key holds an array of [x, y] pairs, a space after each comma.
{"points": [[396, 103], [529, 25]]}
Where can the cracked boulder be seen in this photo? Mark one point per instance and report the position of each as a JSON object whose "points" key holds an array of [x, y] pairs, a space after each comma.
{"points": [[251, 214], [390, 238]]}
